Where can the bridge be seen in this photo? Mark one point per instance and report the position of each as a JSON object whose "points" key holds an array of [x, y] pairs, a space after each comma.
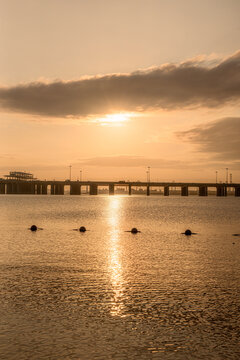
{"points": [[40, 187]]}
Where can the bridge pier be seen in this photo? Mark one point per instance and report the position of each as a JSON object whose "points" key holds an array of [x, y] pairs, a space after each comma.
{"points": [[20, 188], [166, 190], [184, 190], [24, 188], [32, 188], [39, 189], [52, 189], [59, 189], [44, 189], [2, 188], [56, 189], [203, 191], [111, 189], [148, 190], [129, 189], [75, 189], [93, 189], [221, 190], [9, 188], [237, 191], [14, 188]]}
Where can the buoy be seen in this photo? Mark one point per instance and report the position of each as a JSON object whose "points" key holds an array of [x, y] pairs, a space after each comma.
{"points": [[188, 232], [133, 231], [33, 228], [82, 229]]}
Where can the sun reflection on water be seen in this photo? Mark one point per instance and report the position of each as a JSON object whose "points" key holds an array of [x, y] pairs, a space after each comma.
{"points": [[115, 258]]}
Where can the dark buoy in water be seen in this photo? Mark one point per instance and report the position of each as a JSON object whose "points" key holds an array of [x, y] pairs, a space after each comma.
{"points": [[133, 231], [188, 232], [33, 228], [82, 229]]}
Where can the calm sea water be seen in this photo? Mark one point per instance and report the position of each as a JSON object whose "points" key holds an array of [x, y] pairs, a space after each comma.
{"points": [[109, 294]]}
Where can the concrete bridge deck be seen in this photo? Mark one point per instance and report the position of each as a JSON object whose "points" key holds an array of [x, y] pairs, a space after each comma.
{"points": [[8, 186]]}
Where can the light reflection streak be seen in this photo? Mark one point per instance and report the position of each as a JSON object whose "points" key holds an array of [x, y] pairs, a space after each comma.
{"points": [[115, 263]]}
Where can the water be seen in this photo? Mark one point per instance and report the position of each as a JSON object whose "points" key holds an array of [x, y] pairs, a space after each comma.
{"points": [[109, 294]]}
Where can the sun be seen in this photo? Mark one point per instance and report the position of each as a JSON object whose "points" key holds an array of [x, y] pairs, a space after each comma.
{"points": [[114, 119]]}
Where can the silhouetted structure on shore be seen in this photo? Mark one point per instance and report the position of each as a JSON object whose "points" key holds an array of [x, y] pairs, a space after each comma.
{"points": [[20, 175]]}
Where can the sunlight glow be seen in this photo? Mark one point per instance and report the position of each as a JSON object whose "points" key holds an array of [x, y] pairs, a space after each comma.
{"points": [[114, 119], [115, 264]]}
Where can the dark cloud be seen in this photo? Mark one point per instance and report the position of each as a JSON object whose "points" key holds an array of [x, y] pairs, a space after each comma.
{"points": [[170, 86], [220, 139]]}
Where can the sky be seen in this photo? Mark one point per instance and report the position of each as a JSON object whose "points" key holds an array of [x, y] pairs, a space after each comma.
{"points": [[113, 87]]}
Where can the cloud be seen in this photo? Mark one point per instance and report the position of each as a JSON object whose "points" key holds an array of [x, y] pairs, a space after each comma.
{"points": [[170, 86], [130, 161], [220, 139], [134, 161], [7, 156]]}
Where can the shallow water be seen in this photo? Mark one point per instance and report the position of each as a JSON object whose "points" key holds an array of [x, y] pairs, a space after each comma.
{"points": [[109, 294]]}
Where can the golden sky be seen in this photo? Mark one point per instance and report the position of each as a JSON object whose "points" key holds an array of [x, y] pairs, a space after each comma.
{"points": [[112, 87]]}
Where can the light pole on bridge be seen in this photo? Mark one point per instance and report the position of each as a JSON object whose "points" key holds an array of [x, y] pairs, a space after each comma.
{"points": [[226, 175], [149, 174]]}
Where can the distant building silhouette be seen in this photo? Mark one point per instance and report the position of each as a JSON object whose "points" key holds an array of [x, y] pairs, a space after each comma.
{"points": [[20, 175]]}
